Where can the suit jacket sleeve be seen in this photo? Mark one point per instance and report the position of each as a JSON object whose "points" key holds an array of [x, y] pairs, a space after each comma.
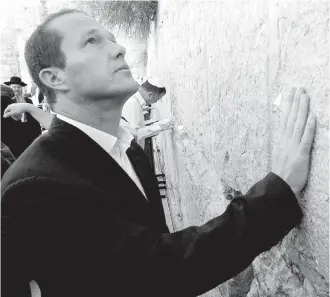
{"points": [[74, 242]]}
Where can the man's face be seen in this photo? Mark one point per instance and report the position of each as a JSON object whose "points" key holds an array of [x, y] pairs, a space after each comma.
{"points": [[18, 90], [154, 97], [95, 64]]}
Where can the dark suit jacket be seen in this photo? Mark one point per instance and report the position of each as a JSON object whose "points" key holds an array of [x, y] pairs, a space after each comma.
{"points": [[76, 223]]}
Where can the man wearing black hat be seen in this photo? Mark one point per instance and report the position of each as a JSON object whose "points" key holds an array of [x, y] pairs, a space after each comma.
{"points": [[27, 130], [17, 85]]}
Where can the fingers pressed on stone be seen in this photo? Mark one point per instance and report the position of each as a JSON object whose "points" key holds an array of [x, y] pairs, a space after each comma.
{"points": [[286, 110], [308, 136], [293, 113], [301, 120]]}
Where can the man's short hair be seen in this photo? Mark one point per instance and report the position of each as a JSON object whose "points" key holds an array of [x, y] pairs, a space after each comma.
{"points": [[151, 88], [43, 50]]}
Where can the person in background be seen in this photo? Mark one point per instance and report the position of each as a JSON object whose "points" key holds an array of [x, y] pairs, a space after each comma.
{"points": [[81, 210], [18, 135], [17, 85], [150, 92]]}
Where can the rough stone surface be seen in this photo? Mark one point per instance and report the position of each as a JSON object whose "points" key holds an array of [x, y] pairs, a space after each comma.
{"points": [[227, 65]]}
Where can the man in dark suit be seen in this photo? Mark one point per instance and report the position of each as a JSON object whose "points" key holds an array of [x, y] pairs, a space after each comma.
{"points": [[81, 210]]}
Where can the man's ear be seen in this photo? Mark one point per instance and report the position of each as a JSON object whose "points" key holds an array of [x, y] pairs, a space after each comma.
{"points": [[53, 78]]}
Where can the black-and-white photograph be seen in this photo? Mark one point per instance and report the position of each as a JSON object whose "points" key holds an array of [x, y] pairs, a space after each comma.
{"points": [[171, 148]]}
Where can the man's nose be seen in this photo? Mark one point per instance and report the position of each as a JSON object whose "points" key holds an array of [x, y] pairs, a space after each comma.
{"points": [[116, 50]]}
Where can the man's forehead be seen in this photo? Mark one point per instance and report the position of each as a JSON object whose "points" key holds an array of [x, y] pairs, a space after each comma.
{"points": [[75, 23]]}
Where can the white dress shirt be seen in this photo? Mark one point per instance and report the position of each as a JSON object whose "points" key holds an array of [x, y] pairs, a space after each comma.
{"points": [[115, 147]]}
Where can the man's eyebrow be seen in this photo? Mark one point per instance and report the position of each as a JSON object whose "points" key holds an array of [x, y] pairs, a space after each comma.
{"points": [[93, 31], [90, 32]]}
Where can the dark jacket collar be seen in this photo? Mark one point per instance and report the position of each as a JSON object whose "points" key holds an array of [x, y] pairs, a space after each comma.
{"points": [[91, 160]]}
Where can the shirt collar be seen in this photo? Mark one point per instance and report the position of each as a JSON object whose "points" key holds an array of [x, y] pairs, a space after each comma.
{"points": [[105, 140]]}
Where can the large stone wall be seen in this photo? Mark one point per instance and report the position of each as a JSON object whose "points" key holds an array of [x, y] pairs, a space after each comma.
{"points": [[227, 65]]}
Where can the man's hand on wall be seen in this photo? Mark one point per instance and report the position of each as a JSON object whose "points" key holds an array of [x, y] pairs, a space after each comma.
{"points": [[154, 129], [291, 154], [166, 124]]}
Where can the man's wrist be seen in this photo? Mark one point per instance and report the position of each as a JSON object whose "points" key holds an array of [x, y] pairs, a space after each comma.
{"points": [[30, 108], [294, 190]]}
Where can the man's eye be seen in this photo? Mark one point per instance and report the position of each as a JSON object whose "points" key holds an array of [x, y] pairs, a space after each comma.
{"points": [[90, 40]]}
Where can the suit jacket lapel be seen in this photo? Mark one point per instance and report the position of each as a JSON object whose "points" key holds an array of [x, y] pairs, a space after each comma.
{"points": [[149, 182]]}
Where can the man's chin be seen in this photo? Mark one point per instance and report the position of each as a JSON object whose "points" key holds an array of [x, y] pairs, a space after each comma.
{"points": [[119, 91], [124, 91], [130, 87]]}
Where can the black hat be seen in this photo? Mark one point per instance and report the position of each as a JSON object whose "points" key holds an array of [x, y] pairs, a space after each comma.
{"points": [[15, 80]]}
